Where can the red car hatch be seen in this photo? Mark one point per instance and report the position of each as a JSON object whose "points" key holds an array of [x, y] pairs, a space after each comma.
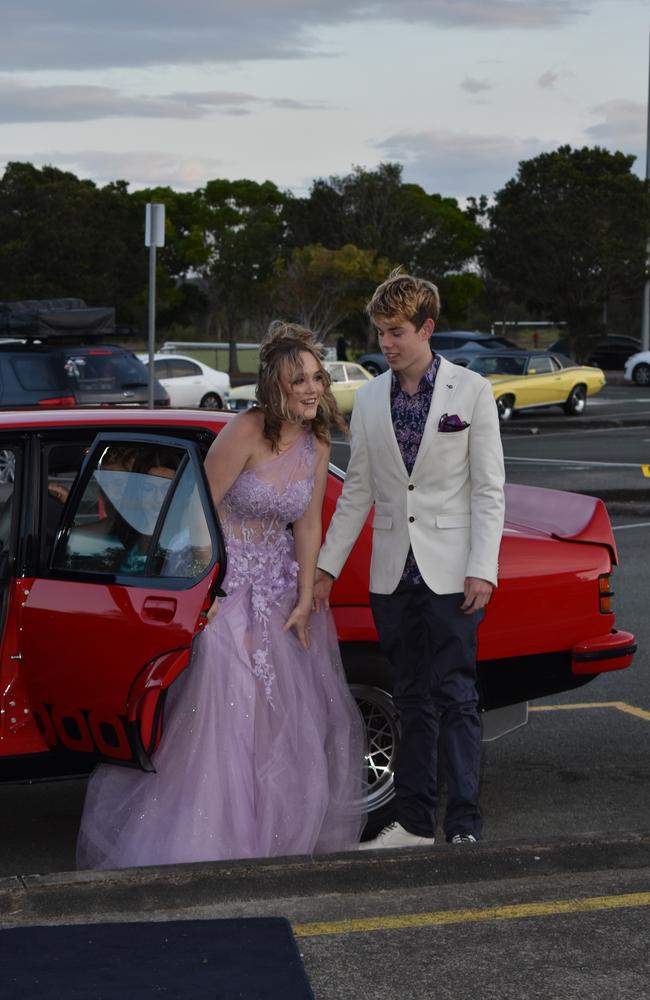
{"points": [[137, 561]]}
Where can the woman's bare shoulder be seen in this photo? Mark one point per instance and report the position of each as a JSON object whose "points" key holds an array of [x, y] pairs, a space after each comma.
{"points": [[246, 427]]}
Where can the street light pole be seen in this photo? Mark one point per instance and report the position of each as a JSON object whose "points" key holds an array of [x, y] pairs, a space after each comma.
{"points": [[645, 318], [154, 236]]}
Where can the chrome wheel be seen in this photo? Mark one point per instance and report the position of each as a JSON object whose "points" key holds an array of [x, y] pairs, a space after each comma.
{"points": [[641, 374], [505, 407], [211, 402], [7, 466], [576, 402], [383, 732]]}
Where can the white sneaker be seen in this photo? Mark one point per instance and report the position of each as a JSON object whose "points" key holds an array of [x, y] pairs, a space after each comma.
{"points": [[464, 838], [396, 836]]}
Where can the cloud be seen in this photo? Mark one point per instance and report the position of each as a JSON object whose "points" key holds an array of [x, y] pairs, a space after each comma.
{"points": [[473, 86], [91, 34], [624, 125], [459, 164], [141, 168], [76, 103]]}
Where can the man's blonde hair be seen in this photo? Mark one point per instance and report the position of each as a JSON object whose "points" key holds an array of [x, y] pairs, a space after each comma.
{"points": [[406, 297]]}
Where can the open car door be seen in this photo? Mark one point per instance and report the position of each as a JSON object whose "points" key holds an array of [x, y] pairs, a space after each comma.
{"points": [[109, 626]]}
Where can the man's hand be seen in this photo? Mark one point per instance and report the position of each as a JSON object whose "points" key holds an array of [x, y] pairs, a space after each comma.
{"points": [[323, 584], [477, 594]]}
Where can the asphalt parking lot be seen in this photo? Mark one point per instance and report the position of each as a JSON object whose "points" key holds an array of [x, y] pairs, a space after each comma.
{"points": [[553, 903]]}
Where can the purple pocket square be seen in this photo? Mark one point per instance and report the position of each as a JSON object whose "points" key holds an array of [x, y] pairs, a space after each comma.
{"points": [[451, 422]]}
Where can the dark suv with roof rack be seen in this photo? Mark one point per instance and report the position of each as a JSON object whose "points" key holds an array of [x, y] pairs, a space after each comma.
{"points": [[49, 357]]}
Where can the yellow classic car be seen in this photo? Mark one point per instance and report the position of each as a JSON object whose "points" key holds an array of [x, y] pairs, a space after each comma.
{"points": [[524, 380], [346, 378]]}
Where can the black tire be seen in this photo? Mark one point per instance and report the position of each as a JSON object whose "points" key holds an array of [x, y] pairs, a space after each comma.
{"points": [[373, 368], [505, 408], [211, 401], [371, 682], [576, 401], [641, 374]]}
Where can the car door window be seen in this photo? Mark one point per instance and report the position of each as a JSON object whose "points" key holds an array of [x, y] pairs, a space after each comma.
{"points": [[161, 368], [139, 515], [542, 366], [9, 467], [36, 374], [61, 463], [336, 373], [179, 368]]}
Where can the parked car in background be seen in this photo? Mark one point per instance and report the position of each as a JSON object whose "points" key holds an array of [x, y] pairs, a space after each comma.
{"points": [[458, 346], [91, 641], [529, 379], [190, 382], [35, 374], [346, 378], [610, 353], [637, 368]]}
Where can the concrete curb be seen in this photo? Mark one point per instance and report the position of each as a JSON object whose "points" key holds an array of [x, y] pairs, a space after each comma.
{"points": [[33, 899]]}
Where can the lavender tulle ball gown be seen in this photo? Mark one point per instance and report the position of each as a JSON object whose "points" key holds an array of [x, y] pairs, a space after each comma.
{"points": [[263, 750]]}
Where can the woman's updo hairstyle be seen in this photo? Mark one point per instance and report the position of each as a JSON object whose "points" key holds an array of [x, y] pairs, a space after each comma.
{"points": [[280, 354]]}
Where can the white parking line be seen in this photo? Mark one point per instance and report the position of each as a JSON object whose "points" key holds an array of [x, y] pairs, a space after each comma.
{"points": [[571, 462], [623, 527]]}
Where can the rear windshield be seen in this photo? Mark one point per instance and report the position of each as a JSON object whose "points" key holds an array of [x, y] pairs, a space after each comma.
{"points": [[102, 369]]}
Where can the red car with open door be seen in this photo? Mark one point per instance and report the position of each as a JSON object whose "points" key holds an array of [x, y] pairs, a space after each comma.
{"points": [[111, 553]]}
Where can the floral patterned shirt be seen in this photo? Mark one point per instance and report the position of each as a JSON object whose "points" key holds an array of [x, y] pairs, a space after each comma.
{"points": [[409, 415]]}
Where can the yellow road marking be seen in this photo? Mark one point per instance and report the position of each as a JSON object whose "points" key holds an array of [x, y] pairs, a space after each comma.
{"points": [[645, 469], [622, 706], [515, 911]]}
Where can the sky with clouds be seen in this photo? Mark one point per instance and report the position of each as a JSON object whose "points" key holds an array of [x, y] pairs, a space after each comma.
{"points": [[175, 92]]}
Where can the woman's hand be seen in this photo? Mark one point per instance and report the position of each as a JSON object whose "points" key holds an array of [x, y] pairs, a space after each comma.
{"points": [[298, 619], [212, 610]]}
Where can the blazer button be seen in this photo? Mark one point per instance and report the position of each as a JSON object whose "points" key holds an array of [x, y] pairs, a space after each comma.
{"points": [[411, 486], [411, 518]]}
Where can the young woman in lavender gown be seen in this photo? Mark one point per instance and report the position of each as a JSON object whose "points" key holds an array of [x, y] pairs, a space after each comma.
{"points": [[263, 752]]}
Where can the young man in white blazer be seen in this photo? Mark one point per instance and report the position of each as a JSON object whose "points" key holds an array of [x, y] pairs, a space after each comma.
{"points": [[426, 451]]}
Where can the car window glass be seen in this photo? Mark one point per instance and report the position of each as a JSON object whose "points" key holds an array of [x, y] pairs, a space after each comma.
{"points": [[161, 368], [62, 463], [103, 369], [179, 368], [541, 365], [7, 477], [440, 341], [116, 518], [184, 546], [351, 372], [35, 373], [336, 373]]}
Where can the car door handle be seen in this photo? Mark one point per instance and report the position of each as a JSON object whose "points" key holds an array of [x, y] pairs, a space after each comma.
{"points": [[159, 609]]}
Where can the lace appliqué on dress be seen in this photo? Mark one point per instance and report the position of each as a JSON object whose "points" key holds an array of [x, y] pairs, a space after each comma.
{"points": [[261, 554]]}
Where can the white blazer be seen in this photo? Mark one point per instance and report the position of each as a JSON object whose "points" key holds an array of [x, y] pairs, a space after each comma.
{"points": [[449, 510]]}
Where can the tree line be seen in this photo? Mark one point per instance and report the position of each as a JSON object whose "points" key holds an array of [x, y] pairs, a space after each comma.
{"points": [[563, 241]]}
